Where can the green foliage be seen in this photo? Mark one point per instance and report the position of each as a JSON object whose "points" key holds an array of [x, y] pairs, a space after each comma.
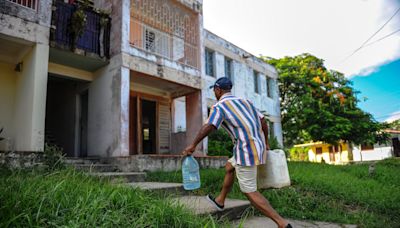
{"points": [[320, 104], [395, 125], [220, 143], [67, 198], [320, 192], [53, 157], [299, 153], [274, 144]]}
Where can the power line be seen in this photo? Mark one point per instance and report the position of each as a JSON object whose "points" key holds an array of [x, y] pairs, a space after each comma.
{"points": [[382, 38], [372, 36]]}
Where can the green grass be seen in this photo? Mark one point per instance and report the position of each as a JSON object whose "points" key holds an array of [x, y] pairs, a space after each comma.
{"points": [[69, 198], [342, 194]]}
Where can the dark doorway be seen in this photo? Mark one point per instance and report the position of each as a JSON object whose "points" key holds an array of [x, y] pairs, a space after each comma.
{"points": [[148, 130], [396, 147], [67, 115], [133, 125], [83, 123]]}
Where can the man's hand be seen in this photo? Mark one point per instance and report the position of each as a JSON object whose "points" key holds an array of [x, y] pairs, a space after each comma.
{"points": [[189, 150]]}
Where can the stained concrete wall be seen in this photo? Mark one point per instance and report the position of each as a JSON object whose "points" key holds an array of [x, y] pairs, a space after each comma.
{"points": [[109, 111], [8, 79], [30, 101]]}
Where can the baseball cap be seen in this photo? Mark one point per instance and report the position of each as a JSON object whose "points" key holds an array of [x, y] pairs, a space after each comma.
{"points": [[223, 83]]}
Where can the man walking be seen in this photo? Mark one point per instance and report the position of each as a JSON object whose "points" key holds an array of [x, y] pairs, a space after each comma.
{"points": [[249, 131]]}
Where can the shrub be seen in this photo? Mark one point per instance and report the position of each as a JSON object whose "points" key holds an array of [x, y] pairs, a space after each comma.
{"points": [[53, 157], [299, 153], [220, 143]]}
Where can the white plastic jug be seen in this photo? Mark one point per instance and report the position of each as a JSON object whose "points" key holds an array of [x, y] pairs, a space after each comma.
{"points": [[190, 173], [274, 173]]}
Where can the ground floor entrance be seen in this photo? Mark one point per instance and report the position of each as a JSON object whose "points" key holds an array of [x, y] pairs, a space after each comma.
{"points": [[66, 122]]}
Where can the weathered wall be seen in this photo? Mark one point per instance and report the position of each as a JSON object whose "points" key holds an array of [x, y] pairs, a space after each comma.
{"points": [[8, 79], [31, 89], [109, 111], [141, 163]]}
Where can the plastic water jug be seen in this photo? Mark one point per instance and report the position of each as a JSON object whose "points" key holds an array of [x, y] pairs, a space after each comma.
{"points": [[274, 173], [190, 173]]}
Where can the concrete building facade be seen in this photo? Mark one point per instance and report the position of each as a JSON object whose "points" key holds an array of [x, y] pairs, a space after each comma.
{"points": [[134, 84]]}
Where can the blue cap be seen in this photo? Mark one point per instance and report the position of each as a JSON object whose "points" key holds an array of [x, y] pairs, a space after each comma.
{"points": [[223, 83]]}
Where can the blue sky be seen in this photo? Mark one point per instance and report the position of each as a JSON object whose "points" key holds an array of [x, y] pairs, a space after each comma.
{"points": [[382, 90]]}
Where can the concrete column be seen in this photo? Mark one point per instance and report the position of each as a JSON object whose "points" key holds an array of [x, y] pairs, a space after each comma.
{"points": [[109, 112], [30, 109], [194, 118]]}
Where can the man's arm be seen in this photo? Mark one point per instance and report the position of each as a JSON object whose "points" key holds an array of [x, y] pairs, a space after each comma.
{"points": [[204, 131], [264, 126]]}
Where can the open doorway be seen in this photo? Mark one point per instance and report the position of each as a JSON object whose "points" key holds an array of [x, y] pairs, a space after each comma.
{"points": [[396, 147], [148, 131], [66, 124]]}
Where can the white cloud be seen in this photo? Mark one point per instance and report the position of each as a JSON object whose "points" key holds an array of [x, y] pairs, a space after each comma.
{"points": [[330, 30], [393, 116]]}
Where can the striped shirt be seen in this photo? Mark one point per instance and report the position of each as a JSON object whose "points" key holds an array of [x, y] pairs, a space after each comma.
{"points": [[242, 121]]}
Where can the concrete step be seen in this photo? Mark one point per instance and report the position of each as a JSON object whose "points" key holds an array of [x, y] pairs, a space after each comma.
{"points": [[201, 206], [172, 188], [96, 167], [88, 161], [264, 222], [126, 176]]}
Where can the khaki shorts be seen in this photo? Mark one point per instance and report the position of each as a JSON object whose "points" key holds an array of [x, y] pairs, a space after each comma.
{"points": [[246, 175]]}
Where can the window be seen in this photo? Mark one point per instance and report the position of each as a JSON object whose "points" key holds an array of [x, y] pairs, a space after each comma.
{"points": [[367, 146], [228, 68], [319, 150], [270, 86], [255, 78], [150, 41], [209, 55]]}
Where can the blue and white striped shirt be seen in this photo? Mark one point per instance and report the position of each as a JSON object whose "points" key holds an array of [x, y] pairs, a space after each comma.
{"points": [[242, 121]]}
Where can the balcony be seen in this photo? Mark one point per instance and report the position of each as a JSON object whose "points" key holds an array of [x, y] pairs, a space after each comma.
{"points": [[94, 41], [166, 29]]}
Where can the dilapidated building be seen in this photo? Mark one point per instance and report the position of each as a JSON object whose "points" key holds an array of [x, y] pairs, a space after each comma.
{"points": [[132, 83]]}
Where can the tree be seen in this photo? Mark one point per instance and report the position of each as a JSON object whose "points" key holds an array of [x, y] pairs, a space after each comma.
{"points": [[395, 125], [321, 105]]}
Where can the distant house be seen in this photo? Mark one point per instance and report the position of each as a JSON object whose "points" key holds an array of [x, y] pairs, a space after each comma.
{"points": [[345, 153]]}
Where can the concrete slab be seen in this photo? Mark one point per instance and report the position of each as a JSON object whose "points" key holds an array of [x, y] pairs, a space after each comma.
{"points": [[263, 222], [158, 186], [126, 176], [201, 206]]}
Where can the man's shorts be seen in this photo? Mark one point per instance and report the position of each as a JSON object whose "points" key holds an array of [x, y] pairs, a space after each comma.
{"points": [[246, 175]]}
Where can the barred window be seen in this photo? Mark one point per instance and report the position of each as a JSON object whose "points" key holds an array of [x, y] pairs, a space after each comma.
{"points": [[255, 79], [228, 68], [209, 60], [31, 4]]}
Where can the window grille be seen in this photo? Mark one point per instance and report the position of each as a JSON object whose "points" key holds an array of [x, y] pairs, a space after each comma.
{"points": [[175, 28]]}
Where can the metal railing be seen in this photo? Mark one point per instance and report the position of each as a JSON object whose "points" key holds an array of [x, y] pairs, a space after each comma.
{"points": [[91, 38], [30, 4], [163, 44]]}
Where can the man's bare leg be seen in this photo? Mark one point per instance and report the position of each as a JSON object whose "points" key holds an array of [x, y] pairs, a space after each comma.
{"points": [[228, 183], [262, 204]]}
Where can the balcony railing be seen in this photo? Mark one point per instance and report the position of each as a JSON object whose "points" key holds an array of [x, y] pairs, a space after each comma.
{"points": [[95, 38], [31, 4]]}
